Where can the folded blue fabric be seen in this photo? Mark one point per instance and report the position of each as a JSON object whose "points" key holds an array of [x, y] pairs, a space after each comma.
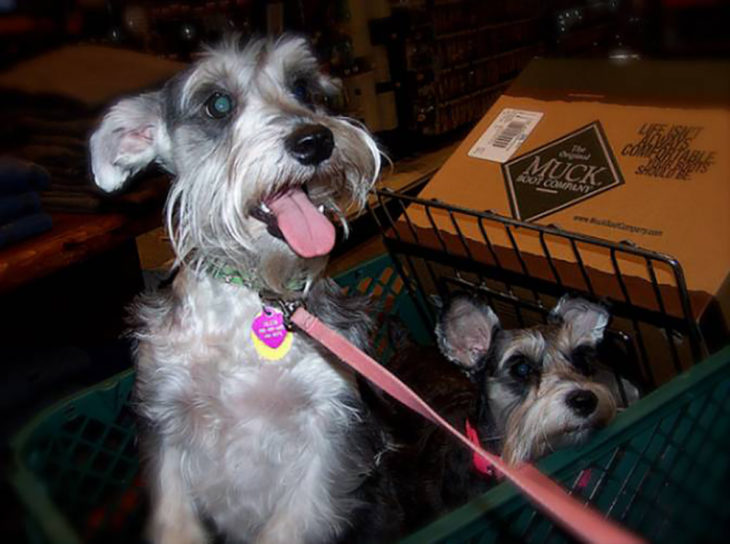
{"points": [[24, 227], [14, 206], [20, 177]]}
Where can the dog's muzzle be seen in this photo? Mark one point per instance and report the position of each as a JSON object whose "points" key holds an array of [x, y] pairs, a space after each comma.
{"points": [[290, 214]]}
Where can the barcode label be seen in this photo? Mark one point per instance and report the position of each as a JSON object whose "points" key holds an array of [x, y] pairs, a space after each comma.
{"points": [[505, 135], [508, 134]]}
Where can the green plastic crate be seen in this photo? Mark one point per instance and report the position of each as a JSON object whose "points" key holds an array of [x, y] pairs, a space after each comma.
{"points": [[662, 468]]}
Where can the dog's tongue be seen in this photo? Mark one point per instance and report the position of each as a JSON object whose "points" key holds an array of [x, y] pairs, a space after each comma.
{"points": [[307, 231]]}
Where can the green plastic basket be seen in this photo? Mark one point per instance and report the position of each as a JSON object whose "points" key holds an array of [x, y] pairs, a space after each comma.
{"points": [[662, 468]]}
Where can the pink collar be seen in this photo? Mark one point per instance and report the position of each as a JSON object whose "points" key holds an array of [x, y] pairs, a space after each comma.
{"points": [[480, 463]]}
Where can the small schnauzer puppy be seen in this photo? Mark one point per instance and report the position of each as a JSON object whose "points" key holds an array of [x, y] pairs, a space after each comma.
{"points": [[526, 392], [252, 432]]}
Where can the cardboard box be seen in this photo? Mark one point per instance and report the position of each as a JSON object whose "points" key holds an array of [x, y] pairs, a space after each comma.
{"points": [[636, 151]]}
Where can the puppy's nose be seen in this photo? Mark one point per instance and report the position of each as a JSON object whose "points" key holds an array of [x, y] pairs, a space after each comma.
{"points": [[310, 144], [582, 402]]}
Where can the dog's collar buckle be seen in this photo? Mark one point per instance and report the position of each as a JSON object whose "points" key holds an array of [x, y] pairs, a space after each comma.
{"points": [[286, 307]]}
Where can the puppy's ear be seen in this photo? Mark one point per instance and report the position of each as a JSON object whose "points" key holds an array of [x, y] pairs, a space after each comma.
{"points": [[465, 332], [130, 137], [585, 322]]}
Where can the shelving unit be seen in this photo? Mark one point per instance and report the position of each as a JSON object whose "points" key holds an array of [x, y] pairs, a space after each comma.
{"points": [[451, 59]]}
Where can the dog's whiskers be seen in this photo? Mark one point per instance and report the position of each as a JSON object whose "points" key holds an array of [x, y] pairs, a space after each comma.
{"points": [[546, 439]]}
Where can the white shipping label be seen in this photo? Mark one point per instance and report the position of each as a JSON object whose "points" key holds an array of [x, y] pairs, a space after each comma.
{"points": [[505, 135]]}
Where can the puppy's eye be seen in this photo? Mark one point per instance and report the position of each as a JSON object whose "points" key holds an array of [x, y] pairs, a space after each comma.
{"points": [[301, 91], [219, 105], [521, 369], [584, 359]]}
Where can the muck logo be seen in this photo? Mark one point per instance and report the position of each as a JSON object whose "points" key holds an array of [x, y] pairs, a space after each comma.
{"points": [[561, 173]]}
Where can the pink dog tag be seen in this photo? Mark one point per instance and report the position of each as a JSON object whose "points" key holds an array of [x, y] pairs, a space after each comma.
{"points": [[269, 335]]}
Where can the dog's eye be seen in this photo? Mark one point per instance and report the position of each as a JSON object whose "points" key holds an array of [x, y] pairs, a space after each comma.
{"points": [[218, 105], [521, 369], [301, 91], [584, 359]]}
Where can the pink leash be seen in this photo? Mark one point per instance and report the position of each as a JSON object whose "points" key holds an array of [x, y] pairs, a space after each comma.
{"points": [[583, 522]]}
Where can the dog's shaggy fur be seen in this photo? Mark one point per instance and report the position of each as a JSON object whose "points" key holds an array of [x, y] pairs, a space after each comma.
{"points": [[256, 451]]}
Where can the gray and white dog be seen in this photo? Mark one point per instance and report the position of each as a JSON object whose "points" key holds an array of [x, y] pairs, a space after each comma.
{"points": [[526, 392], [239, 445], [540, 385]]}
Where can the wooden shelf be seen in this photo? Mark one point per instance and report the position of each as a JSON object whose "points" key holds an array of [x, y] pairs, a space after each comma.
{"points": [[73, 238]]}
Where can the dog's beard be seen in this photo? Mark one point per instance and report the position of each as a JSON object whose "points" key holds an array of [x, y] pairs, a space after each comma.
{"points": [[538, 426], [281, 270], [237, 213], [300, 212]]}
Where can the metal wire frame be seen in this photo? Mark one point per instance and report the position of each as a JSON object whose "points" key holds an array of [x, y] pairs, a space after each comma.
{"points": [[433, 266]]}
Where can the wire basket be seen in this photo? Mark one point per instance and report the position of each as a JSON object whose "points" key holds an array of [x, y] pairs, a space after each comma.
{"points": [[652, 326], [663, 467]]}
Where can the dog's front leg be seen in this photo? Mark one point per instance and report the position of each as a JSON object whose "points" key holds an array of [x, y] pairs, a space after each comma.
{"points": [[174, 519], [287, 526], [305, 516]]}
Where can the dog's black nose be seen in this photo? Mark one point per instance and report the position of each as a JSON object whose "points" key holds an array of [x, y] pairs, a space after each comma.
{"points": [[582, 402], [310, 144]]}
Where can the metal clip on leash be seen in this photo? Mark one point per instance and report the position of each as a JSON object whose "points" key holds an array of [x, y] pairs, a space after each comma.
{"points": [[286, 307]]}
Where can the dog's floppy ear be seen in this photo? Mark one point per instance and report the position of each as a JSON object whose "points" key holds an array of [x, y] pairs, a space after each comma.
{"points": [[465, 331], [130, 137], [585, 322]]}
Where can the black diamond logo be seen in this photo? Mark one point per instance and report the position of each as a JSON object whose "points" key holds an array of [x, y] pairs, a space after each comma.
{"points": [[561, 173]]}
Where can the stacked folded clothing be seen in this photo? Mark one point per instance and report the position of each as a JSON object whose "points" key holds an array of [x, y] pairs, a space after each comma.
{"points": [[49, 106], [21, 214]]}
